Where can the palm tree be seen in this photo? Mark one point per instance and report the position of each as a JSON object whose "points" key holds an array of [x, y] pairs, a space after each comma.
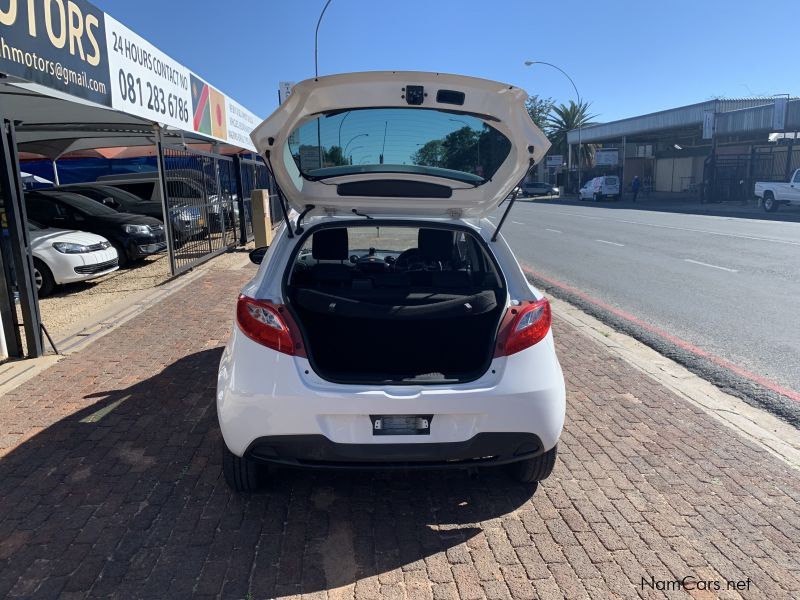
{"points": [[565, 118]]}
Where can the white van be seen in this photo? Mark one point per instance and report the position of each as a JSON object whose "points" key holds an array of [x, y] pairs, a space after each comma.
{"points": [[601, 187]]}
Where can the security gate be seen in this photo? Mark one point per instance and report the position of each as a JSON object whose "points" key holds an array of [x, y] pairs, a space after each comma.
{"points": [[732, 177], [200, 205]]}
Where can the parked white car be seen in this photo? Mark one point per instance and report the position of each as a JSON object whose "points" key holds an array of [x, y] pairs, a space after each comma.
{"points": [[61, 256], [600, 187], [389, 327], [771, 194]]}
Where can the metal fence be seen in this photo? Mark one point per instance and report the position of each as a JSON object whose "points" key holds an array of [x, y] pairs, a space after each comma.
{"points": [[732, 177], [200, 202]]}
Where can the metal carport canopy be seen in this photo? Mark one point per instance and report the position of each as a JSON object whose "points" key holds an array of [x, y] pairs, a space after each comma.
{"points": [[53, 124]]}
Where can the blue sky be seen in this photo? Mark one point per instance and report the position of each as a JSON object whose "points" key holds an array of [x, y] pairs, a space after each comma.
{"points": [[626, 57]]}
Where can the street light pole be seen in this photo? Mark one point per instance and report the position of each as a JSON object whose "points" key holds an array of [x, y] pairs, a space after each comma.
{"points": [[528, 63], [355, 137]]}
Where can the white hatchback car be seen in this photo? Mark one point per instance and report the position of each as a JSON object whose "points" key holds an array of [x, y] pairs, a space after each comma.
{"points": [[388, 325], [61, 256]]}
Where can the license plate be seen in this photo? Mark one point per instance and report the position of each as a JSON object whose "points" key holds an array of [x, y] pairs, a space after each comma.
{"points": [[401, 424]]}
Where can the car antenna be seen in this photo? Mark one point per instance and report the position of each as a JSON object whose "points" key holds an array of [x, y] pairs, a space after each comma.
{"points": [[511, 203], [355, 212], [308, 209], [281, 199]]}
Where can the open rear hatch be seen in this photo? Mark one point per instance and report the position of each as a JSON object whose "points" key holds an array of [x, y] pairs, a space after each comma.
{"points": [[400, 143]]}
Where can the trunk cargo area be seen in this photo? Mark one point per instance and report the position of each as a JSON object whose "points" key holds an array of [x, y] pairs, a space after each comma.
{"points": [[434, 336], [401, 314]]}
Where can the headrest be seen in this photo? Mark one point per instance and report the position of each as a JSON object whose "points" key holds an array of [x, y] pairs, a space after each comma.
{"points": [[435, 244], [330, 244]]}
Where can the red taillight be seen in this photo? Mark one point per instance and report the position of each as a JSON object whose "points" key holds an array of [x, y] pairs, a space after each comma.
{"points": [[523, 326], [269, 324]]}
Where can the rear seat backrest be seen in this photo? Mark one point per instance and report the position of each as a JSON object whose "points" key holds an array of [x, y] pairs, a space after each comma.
{"points": [[330, 244]]}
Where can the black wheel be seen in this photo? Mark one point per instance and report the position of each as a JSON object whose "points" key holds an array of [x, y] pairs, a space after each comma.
{"points": [[122, 256], [43, 277], [242, 474], [534, 469], [769, 202]]}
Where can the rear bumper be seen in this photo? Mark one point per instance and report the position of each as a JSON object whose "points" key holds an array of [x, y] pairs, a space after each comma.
{"points": [[317, 451], [265, 395]]}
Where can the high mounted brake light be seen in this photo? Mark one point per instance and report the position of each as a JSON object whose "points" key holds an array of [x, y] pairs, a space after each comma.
{"points": [[523, 326], [269, 324]]}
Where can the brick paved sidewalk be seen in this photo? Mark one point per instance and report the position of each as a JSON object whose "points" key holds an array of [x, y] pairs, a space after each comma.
{"points": [[110, 486]]}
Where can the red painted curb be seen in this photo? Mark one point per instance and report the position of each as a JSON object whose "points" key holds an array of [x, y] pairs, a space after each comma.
{"points": [[683, 344]]}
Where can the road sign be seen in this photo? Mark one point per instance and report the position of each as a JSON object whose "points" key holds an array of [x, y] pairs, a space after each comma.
{"points": [[284, 91]]}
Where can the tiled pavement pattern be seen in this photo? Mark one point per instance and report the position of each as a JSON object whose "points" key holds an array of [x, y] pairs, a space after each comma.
{"points": [[110, 486]]}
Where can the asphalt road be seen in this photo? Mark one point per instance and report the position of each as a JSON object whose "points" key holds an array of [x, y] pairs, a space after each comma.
{"points": [[730, 286]]}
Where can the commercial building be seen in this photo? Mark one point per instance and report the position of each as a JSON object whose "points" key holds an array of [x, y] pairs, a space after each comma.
{"points": [[716, 149]]}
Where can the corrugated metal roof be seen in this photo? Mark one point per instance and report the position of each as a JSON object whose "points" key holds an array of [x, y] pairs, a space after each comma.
{"points": [[672, 118], [759, 118]]}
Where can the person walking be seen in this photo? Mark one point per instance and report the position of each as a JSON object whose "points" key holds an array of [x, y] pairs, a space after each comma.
{"points": [[635, 185]]}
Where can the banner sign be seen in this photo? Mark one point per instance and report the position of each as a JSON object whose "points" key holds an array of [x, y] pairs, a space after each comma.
{"points": [[779, 108], [606, 157], [73, 47], [144, 81], [554, 160], [708, 124], [56, 43]]}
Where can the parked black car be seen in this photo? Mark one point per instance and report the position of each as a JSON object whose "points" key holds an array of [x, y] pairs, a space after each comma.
{"points": [[187, 221], [134, 236]]}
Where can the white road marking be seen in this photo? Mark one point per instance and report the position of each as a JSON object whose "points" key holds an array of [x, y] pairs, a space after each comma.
{"points": [[733, 235], [553, 230], [612, 243], [697, 262], [518, 222]]}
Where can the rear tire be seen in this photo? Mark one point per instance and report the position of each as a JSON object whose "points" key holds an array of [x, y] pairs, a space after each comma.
{"points": [[242, 474], [534, 469], [770, 205], [45, 282]]}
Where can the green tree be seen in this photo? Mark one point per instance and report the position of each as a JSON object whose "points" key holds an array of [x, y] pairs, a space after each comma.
{"points": [[334, 157], [429, 155], [539, 109], [564, 118]]}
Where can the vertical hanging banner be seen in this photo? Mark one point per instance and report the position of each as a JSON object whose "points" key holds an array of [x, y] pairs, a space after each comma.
{"points": [[56, 43]]}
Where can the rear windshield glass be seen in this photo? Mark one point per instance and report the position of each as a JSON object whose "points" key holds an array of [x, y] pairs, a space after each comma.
{"points": [[399, 140]]}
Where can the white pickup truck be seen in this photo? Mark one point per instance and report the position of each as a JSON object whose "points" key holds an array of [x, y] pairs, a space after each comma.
{"points": [[773, 193]]}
